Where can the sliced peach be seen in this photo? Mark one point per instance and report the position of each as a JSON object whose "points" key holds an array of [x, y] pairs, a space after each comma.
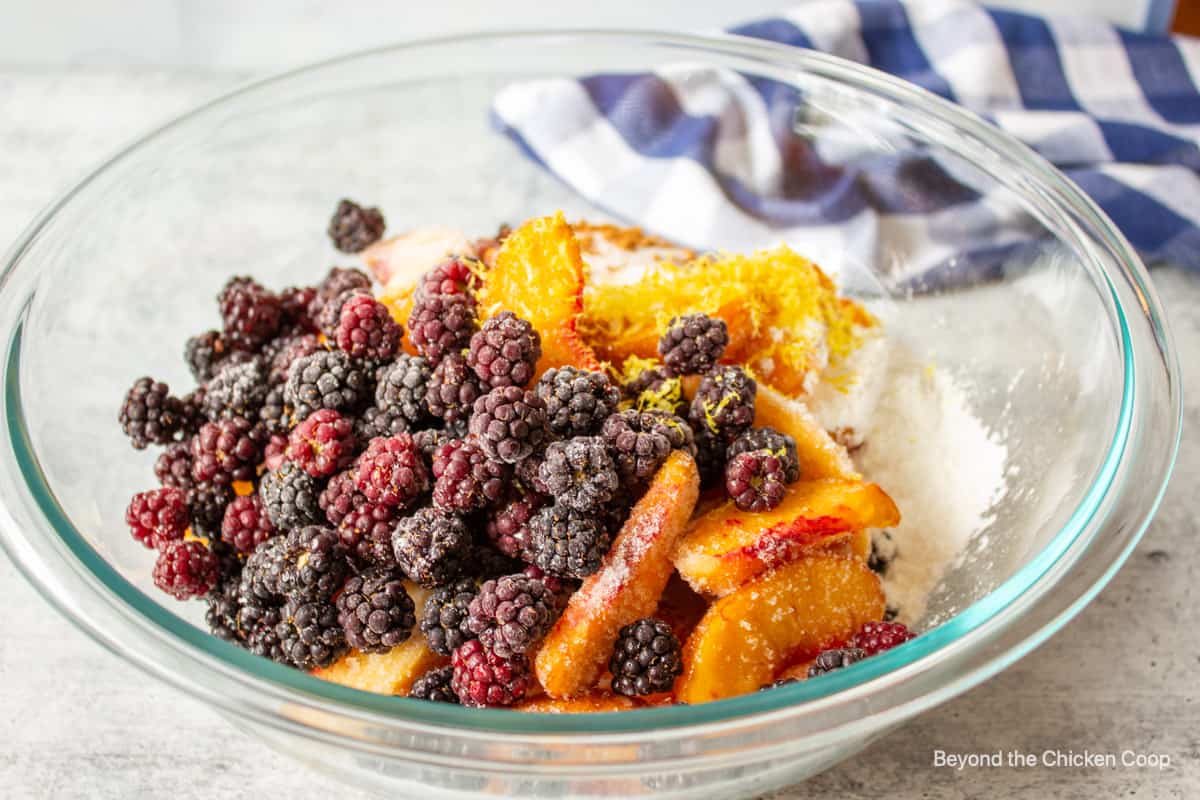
{"points": [[784, 616], [820, 455], [627, 586], [398, 262], [597, 700], [727, 547]]}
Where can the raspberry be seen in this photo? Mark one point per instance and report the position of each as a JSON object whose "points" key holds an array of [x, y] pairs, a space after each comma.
{"points": [[692, 344], [453, 389], [646, 658], [275, 415], [400, 392], [567, 543], [577, 401], [340, 496], [293, 303], [441, 324], [323, 443], [289, 495], [756, 480], [158, 516], [246, 525], [225, 451], [367, 533], [354, 228], [173, 467], [251, 314], [465, 479], [206, 504], [205, 353], [444, 618], [505, 351], [375, 611], [286, 353], [875, 637], [458, 275], [511, 614], [483, 679], [724, 403], [829, 660], [325, 379], [580, 473], [261, 573], [640, 442], [434, 686], [149, 414], [508, 524], [186, 569], [510, 423], [432, 547], [237, 390], [652, 389], [314, 564], [778, 444], [366, 330], [309, 634], [391, 472]]}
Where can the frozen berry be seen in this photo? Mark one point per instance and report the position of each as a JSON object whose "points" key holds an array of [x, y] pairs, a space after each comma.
{"points": [[465, 479], [401, 389], [508, 523], [505, 351], [580, 473], [756, 480], [252, 314], [225, 451], [337, 282], [483, 679], [275, 415], [237, 390], [354, 228], [458, 275], [149, 414], [444, 617], [510, 423], [375, 610], [432, 547], [577, 401], [452, 390], [830, 660], [511, 613], [294, 302], [289, 495], [286, 354], [173, 467], [724, 402], [206, 505], [326, 379], [323, 443], [310, 635], [340, 496], [205, 353], [391, 471], [875, 637], [186, 569], [568, 543], [158, 516], [434, 686], [646, 659], [778, 444], [246, 525], [366, 330], [440, 324], [262, 571], [640, 442], [366, 532], [315, 563], [693, 344]]}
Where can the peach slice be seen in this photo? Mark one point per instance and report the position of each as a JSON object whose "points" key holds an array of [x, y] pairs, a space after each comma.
{"points": [[782, 617], [399, 261], [820, 455], [597, 700], [627, 586], [727, 547]]}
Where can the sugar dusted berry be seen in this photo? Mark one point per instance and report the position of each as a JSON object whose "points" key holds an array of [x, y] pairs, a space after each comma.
{"points": [[286, 354], [508, 523], [577, 401], [510, 423], [580, 473], [252, 315], [158, 516], [237, 390], [366, 330], [366, 532], [568, 543], [323, 443], [326, 379], [646, 658], [465, 478], [778, 444], [149, 414], [225, 451], [440, 324], [511, 613], [314, 563], [246, 524], [505, 351], [354, 228], [434, 686], [310, 635], [444, 618], [756, 480], [452, 390], [375, 610], [875, 637], [458, 275], [724, 402], [693, 344], [391, 471], [186, 569], [401, 388], [204, 354], [640, 442], [483, 679], [432, 547], [289, 495]]}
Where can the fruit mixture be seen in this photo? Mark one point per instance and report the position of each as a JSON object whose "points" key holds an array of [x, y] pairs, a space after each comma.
{"points": [[516, 477]]}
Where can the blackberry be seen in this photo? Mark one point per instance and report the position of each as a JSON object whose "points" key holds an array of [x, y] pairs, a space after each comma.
{"points": [[875, 637], [883, 552], [149, 414], [646, 659], [354, 228], [258, 626], [289, 495], [323, 443], [710, 457], [173, 467], [294, 302], [724, 403], [246, 525], [286, 353], [186, 569], [444, 617], [262, 572], [458, 275], [778, 444], [391, 472], [508, 524], [652, 389], [640, 442], [577, 401], [510, 423], [432, 547], [205, 353], [237, 390], [314, 563], [158, 516], [366, 330], [440, 324], [331, 312], [274, 415], [335, 282], [401, 388], [488, 562], [528, 471], [206, 504], [325, 379], [221, 614], [375, 611], [374, 422], [505, 351], [309, 634], [251, 314], [366, 532], [452, 390], [225, 451], [693, 344], [511, 613], [465, 479], [567, 543], [756, 481], [829, 660], [192, 415], [483, 679], [340, 496], [580, 473], [434, 686]]}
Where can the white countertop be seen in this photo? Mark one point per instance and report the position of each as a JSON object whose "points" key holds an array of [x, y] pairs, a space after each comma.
{"points": [[76, 721]]}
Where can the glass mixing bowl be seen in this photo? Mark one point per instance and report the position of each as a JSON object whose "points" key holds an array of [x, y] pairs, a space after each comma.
{"points": [[1063, 346]]}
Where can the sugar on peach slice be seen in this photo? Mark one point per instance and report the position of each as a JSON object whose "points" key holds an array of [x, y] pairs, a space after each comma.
{"points": [[780, 618], [727, 547], [820, 455], [592, 702], [627, 586]]}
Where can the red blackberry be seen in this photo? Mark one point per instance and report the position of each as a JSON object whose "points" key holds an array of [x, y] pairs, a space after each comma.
{"points": [[400, 391], [568, 543], [237, 390], [340, 496], [505, 351], [432, 547], [375, 610], [778, 444], [724, 403], [309, 634], [252, 314], [652, 389], [186, 569], [875, 637], [434, 686], [829, 660], [577, 401], [323, 443], [580, 473], [452, 390], [354, 228], [465, 479], [158, 516], [366, 330], [391, 472], [173, 467], [273, 451], [640, 442], [286, 353], [366, 532], [510, 614], [206, 505], [458, 275], [508, 523], [483, 679], [440, 324], [315, 564], [294, 302], [646, 659], [246, 525], [205, 353], [510, 423], [289, 495], [149, 414], [693, 344], [331, 312], [325, 379], [444, 617], [225, 451], [757, 480]]}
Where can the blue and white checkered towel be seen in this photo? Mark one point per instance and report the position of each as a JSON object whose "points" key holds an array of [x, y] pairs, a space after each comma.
{"points": [[702, 155]]}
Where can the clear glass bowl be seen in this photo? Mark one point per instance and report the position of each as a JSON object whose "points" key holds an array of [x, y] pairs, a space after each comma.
{"points": [[1065, 347]]}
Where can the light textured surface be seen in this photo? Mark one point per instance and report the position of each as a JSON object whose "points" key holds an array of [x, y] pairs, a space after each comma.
{"points": [[78, 722]]}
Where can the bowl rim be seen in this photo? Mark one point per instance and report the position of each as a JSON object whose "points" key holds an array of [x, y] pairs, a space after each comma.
{"points": [[988, 617]]}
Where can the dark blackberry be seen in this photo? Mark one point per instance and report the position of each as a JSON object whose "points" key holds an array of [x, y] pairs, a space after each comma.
{"points": [[778, 444], [323, 443], [875, 637], [693, 344], [251, 314], [326, 379], [444, 617], [340, 496], [375, 610], [309, 634], [237, 390], [432, 547], [315, 564], [192, 415], [261, 573], [294, 302], [652, 389], [246, 525], [366, 330], [258, 626], [829, 660], [465, 479], [225, 451], [401, 388], [440, 324], [483, 679], [353, 228], [510, 423], [434, 686], [289, 495], [488, 562], [173, 467], [646, 659], [186, 569], [756, 481], [331, 312], [221, 615], [391, 471], [275, 415], [458, 275], [883, 552], [374, 422], [710, 457], [366, 532], [149, 414], [206, 505], [157, 516], [639, 444], [580, 473], [205, 353], [568, 543], [505, 351], [577, 401], [452, 390], [286, 353], [724, 403], [511, 613], [508, 523]]}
